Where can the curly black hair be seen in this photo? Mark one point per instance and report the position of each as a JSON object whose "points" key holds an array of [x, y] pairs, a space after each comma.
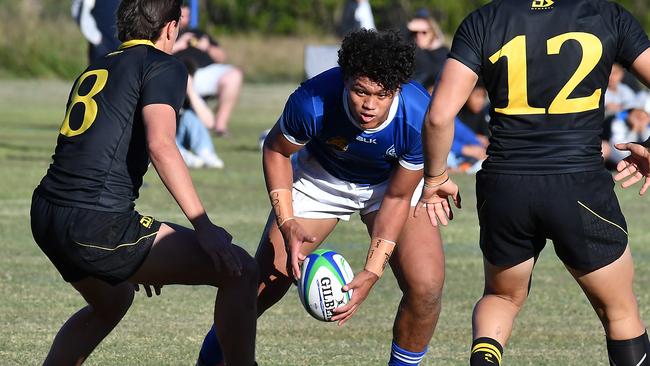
{"points": [[383, 57]]}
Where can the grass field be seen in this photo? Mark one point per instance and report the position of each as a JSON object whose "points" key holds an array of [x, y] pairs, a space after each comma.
{"points": [[557, 326]]}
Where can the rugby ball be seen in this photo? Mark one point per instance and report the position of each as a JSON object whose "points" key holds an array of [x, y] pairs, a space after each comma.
{"points": [[323, 275]]}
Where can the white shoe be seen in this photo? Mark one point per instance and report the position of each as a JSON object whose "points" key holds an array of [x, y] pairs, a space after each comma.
{"points": [[192, 161], [211, 159]]}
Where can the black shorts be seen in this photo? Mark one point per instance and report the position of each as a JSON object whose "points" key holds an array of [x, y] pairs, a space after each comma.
{"points": [[87, 243], [579, 212]]}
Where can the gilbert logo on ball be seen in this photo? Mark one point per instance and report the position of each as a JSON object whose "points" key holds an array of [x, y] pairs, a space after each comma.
{"points": [[324, 273]]}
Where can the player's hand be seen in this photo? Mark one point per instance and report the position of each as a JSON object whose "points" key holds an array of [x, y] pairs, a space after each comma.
{"points": [[635, 167], [217, 243], [147, 289], [360, 286], [294, 237], [183, 42], [203, 44], [436, 201]]}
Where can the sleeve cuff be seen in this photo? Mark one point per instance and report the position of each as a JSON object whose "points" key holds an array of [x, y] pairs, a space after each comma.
{"points": [[410, 166], [288, 136]]}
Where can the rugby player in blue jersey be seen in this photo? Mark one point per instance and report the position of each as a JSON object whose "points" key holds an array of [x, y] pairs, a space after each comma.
{"points": [[349, 141]]}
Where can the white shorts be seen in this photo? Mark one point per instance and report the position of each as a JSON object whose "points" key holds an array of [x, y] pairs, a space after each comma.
{"points": [[206, 79], [319, 195]]}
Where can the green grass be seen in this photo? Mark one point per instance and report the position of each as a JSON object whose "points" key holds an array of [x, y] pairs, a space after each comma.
{"points": [[557, 326]]}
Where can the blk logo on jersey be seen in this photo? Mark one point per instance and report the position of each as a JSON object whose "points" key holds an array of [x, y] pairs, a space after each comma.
{"points": [[367, 140], [542, 4]]}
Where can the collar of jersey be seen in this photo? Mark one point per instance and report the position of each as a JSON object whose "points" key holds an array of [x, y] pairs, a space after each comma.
{"points": [[391, 113], [136, 42]]}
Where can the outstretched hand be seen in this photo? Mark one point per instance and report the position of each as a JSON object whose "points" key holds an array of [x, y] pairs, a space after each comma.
{"points": [[294, 237], [360, 287], [635, 167], [436, 201]]}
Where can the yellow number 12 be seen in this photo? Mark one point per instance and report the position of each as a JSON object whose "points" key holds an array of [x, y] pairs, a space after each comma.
{"points": [[515, 52]]}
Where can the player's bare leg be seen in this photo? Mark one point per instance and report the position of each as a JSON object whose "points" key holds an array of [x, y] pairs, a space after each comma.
{"points": [[229, 88], [505, 293], [89, 326], [272, 258], [177, 258], [419, 266], [609, 289]]}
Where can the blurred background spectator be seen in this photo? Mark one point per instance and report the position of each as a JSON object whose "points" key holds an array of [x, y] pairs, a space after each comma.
{"points": [[213, 77], [467, 152], [356, 14], [192, 135], [431, 52], [631, 125], [97, 21], [475, 113], [619, 96]]}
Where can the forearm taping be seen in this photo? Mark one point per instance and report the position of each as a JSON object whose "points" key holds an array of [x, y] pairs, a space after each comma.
{"points": [[378, 255], [282, 203]]}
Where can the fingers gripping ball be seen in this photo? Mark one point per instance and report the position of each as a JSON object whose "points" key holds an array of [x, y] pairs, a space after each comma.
{"points": [[324, 273]]}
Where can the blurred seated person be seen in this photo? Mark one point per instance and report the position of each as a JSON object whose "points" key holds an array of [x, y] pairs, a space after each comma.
{"points": [[192, 134], [632, 125], [618, 96], [213, 77], [467, 153], [431, 52], [475, 113]]}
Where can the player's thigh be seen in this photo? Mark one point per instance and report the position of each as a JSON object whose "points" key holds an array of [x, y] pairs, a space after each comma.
{"points": [[176, 257], [271, 252], [511, 282], [610, 287]]}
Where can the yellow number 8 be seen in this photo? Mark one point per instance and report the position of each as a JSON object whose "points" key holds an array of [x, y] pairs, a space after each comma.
{"points": [[90, 106]]}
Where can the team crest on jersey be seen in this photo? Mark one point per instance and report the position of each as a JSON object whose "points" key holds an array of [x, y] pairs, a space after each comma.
{"points": [[390, 153], [338, 143], [542, 4]]}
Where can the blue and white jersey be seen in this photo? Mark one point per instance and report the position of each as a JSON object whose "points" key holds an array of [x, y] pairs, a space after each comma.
{"points": [[317, 115]]}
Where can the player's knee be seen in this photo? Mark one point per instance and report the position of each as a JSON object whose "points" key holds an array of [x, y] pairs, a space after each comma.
{"points": [[250, 270], [114, 307], [425, 295], [234, 77]]}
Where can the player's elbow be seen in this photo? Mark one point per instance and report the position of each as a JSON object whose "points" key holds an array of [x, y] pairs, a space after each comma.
{"points": [[439, 118], [159, 149]]}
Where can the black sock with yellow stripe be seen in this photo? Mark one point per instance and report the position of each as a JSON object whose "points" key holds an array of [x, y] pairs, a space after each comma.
{"points": [[486, 352]]}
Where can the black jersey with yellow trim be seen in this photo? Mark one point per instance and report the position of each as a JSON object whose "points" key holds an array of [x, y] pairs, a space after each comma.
{"points": [[546, 64], [101, 153]]}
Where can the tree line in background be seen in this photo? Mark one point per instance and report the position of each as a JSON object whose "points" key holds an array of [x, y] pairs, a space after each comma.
{"points": [[41, 40], [314, 17]]}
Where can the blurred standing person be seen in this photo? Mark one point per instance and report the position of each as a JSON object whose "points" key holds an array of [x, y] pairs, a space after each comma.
{"points": [[98, 23], [213, 77], [431, 53], [357, 14]]}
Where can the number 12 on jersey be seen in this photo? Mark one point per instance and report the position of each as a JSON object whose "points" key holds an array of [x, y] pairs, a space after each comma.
{"points": [[515, 53]]}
